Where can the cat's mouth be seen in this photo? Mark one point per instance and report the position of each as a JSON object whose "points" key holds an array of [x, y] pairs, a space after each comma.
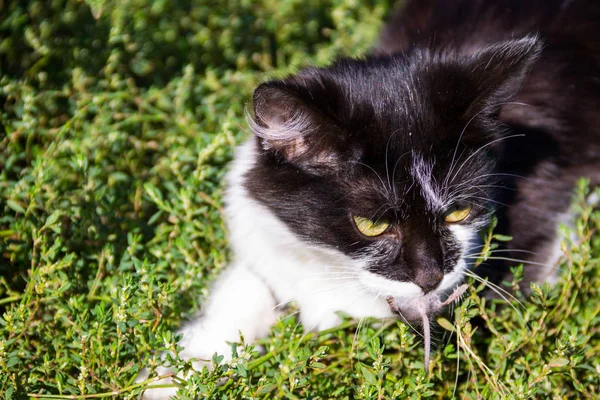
{"points": [[421, 308]]}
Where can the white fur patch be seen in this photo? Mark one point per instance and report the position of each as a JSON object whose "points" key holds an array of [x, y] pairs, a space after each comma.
{"points": [[554, 250], [465, 236], [550, 266], [383, 287], [422, 173]]}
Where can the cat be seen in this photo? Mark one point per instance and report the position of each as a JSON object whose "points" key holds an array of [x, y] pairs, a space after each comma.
{"points": [[365, 183]]}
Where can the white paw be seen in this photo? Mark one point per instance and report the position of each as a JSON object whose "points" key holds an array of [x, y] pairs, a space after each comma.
{"points": [[151, 393]]}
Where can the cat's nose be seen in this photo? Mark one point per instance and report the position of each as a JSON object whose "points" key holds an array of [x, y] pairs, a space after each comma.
{"points": [[428, 279]]}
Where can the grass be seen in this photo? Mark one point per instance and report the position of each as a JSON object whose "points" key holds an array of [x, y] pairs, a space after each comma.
{"points": [[117, 122]]}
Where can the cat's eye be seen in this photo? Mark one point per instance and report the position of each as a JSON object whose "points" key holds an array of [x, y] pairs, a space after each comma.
{"points": [[457, 213], [369, 227]]}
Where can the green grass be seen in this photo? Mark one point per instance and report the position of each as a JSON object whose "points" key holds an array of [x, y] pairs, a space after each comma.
{"points": [[114, 137]]}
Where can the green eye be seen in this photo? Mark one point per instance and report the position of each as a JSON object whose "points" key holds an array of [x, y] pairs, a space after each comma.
{"points": [[457, 214], [370, 228]]}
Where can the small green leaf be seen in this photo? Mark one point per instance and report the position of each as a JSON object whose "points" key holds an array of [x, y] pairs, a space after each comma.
{"points": [[558, 362], [369, 376], [96, 7], [12, 361], [502, 238], [444, 323], [268, 388], [15, 206], [155, 217], [217, 359], [52, 218], [241, 370], [449, 350], [8, 394]]}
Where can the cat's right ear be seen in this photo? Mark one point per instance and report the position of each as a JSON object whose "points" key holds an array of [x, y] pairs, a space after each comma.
{"points": [[498, 72], [287, 125]]}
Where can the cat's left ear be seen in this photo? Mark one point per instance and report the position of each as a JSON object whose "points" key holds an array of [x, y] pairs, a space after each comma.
{"points": [[499, 72], [290, 122]]}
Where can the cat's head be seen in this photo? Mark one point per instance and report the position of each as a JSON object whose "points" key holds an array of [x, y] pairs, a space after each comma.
{"points": [[389, 160]]}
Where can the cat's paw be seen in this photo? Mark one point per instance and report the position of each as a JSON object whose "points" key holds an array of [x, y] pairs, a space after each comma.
{"points": [[198, 345], [152, 392], [167, 387]]}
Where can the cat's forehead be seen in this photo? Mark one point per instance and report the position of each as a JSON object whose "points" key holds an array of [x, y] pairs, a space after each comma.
{"points": [[402, 184], [381, 87], [387, 107]]}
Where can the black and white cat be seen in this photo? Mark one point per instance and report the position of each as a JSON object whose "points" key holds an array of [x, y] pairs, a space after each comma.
{"points": [[366, 182]]}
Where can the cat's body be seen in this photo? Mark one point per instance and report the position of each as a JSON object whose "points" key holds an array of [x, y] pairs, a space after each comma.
{"points": [[424, 143], [558, 110]]}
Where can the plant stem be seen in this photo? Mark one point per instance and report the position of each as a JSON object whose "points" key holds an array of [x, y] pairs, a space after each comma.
{"points": [[108, 394]]}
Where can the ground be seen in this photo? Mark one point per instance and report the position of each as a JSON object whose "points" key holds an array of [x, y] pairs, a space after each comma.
{"points": [[117, 121]]}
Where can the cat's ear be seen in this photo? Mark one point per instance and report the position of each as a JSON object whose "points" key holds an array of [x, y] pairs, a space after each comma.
{"points": [[499, 71], [288, 124]]}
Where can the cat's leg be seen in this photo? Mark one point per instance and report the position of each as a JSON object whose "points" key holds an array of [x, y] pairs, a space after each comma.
{"points": [[542, 203], [240, 302]]}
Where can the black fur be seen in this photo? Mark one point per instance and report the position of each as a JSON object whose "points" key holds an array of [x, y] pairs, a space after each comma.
{"points": [[442, 86]]}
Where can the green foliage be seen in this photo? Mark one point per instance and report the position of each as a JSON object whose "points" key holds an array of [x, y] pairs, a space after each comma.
{"points": [[117, 120]]}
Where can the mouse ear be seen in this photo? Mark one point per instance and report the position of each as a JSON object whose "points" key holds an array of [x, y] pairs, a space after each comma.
{"points": [[498, 72], [288, 124]]}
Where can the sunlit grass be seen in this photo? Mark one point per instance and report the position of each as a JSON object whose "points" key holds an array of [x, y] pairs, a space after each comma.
{"points": [[116, 129]]}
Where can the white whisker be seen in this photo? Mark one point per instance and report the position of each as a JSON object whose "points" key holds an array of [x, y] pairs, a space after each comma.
{"points": [[517, 260], [496, 289], [480, 149]]}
